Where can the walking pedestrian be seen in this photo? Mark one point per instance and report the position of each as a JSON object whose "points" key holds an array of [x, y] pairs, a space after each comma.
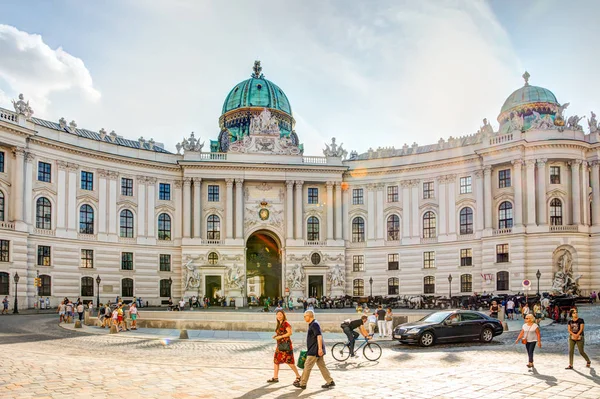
{"points": [[5, 305], [181, 305], [115, 318], [69, 311], [315, 351], [494, 310], [389, 321], [61, 310], [133, 312], [537, 312], [284, 351], [80, 311], [510, 308], [381, 325], [575, 327], [525, 310], [530, 336]]}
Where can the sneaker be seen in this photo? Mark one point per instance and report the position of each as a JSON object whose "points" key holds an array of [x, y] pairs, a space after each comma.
{"points": [[328, 385]]}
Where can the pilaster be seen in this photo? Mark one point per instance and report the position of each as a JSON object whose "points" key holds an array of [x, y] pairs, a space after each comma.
{"points": [[531, 221], [595, 193], [576, 190], [299, 210], [541, 194], [197, 207], [151, 202], [141, 206], [229, 208], [518, 184], [487, 202], [479, 202], [187, 194], [338, 211], [239, 208], [289, 209], [329, 187], [61, 200]]}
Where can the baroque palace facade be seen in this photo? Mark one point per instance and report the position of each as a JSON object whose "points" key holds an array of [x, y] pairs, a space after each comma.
{"points": [[252, 215]]}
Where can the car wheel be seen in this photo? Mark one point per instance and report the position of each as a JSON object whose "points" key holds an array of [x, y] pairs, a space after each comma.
{"points": [[486, 335], [427, 339]]}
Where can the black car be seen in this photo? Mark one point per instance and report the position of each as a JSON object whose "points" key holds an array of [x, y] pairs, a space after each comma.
{"points": [[449, 326]]}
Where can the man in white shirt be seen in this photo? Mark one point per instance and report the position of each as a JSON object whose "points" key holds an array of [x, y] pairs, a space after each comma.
{"points": [[510, 309], [181, 304], [372, 321]]}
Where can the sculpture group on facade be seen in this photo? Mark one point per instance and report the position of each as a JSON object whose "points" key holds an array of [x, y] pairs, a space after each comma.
{"points": [[296, 277], [564, 281], [192, 276], [235, 277], [336, 277], [22, 107], [335, 150], [190, 144]]}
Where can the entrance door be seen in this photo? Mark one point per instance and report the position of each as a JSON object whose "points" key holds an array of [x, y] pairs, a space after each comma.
{"points": [[315, 286], [213, 287], [263, 266]]}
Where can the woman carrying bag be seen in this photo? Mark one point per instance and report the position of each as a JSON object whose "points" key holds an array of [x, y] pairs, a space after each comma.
{"points": [[284, 351], [530, 335], [575, 327]]}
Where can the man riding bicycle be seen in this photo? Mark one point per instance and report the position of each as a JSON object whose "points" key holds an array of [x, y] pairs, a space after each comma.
{"points": [[350, 326]]}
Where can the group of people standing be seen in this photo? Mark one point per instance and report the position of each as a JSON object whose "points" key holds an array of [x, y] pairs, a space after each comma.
{"points": [[115, 316], [66, 310]]}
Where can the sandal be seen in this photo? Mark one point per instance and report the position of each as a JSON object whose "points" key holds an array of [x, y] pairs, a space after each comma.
{"points": [[588, 364], [569, 367], [297, 380], [273, 380]]}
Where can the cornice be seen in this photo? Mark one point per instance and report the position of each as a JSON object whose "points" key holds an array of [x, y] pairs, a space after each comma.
{"points": [[413, 168], [334, 170]]}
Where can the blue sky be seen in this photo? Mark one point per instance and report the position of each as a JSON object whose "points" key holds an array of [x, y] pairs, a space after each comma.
{"points": [[372, 74]]}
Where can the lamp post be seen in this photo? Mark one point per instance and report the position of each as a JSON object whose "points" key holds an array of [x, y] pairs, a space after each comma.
{"points": [[450, 288], [98, 280], [16, 309], [538, 275], [371, 283], [170, 283]]}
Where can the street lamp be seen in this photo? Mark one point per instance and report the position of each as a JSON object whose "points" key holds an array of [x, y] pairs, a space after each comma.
{"points": [[538, 275], [98, 280], [371, 282], [170, 282], [450, 288], [16, 309]]}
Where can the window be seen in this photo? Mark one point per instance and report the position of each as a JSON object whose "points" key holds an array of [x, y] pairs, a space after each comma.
{"points": [[470, 316], [315, 259], [505, 216], [501, 253], [393, 286], [312, 229], [466, 257], [87, 258], [127, 261], [164, 227], [43, 255], [164, 191], [428, 190], [466, 221], [43, 215], [357, 196], [554, 174], [213, 258], [428, 259], [46, 287], [165, 288], [213, 228], [4, 251], [556, 212], [358, 263], [86, 219], [164, 261], [1, 206], [213, 193], [504, 178], [429, 225], [4, 284], [465, 185], [2, 161], [44, 172], [393, 228], [358, 229], [126, 224], [393, 261], [429, 285], [127, 287], [358, 287], [502, 281], [392, 194], [87, 286], [87, 180], [313, 195], [466, 283], [126, 186]]}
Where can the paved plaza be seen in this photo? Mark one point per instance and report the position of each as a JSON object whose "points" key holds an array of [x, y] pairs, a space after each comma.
{"points": [[42, 360]]}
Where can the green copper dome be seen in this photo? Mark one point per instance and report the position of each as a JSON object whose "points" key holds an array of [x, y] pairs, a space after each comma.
{"points": [[528, 95]]}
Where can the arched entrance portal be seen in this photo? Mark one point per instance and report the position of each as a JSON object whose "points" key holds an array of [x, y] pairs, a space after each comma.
{"points": [[263, 265]]}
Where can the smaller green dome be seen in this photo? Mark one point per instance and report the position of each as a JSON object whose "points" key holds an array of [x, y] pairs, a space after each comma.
{"points": [[527, 95]]}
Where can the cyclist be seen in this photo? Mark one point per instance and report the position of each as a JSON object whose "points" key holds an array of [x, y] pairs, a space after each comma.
{"points": [[350, 326]]}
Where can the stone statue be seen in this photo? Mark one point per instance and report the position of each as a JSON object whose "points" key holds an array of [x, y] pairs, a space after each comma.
{"points": [[561, 110], [486, 129], [335, 150], [541, 122], [336, 277], [564, 282], [573, 122], [593, 123], [235, 277], [264, 123], [353, 155], [190, 144], [516, 122], [296, 278], [178, 146], [22, 107], [192, 276]]}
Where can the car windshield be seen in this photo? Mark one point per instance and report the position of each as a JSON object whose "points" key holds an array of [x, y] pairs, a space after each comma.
{"points": [[437, 317]]}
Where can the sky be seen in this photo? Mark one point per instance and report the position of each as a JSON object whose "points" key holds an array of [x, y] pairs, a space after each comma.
{"points": [[370, 73]]}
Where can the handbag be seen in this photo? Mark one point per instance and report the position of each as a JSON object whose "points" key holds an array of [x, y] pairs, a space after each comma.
{"points": [[524, 340], [302, 359], [284, 346]]}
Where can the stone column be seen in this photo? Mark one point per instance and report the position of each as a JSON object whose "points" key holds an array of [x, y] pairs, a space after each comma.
{"points": [[28, 197], [518, 184], [487, 202], [405, 185], [576, 191], [197, 207], [178, 200], [187, 202], [371, 211], [379, 218], [102, 199], [229, 208], [299, 210], [596, 193], [541, 194], [61, 199], [112, 202], [479, 204], [151, 201], [416, 219], [451, 183], [338, 211], [289, 209], [530, 192], [585, 184], [239, 208], [141, 211], [329, 186], [18, 184], [72, 198], [441, 189]]}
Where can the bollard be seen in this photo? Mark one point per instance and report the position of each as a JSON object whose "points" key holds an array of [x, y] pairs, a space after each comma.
{"points": [[505, 326], [113, 329], [183, 334], [77, 324]]}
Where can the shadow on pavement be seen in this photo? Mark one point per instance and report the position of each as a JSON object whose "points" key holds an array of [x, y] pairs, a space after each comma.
{"points": [[592, 377], [261, 391], [548, 379]]}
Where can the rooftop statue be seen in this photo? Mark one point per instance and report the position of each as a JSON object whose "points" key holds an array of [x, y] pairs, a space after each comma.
{"points": [[264, 123], [559, 119], [22, 107], [541, 122], [486, 128], [593, 123], [190, 144], [573, 122], [335, 150], [516, 122]]}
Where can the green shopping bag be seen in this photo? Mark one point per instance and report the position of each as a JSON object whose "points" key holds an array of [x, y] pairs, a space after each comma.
{"points": [[302, 359]]}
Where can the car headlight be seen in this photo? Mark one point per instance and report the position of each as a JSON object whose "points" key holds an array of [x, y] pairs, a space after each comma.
{"points": [[413, 331]]}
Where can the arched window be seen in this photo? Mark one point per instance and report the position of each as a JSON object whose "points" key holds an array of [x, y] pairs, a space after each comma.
{"points": [[87, 286], [556, 212], [165, 288], [1, 206], [126, 223], [213, 228], [393, 286], [358, 287], [393, 228], [466, 283], [46, 287], [502, 281], [505, 215], [429, 225], [43, 214], [429, 285], [164, 227], [213, 258], [127, 287], [86, 219], [466, 221], [4, 284], [358, 229], [312, 229]]}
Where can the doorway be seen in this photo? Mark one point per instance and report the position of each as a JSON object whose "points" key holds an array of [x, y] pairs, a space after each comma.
{"points": [[213, 287], [315, 286], [263, 265]]}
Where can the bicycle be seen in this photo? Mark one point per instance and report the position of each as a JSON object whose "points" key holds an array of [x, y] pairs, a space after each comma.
{"points": [[371, 350]]}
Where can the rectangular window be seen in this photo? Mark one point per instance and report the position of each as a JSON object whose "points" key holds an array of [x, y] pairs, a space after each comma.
{"points": [[393, 286], [313, 195], [127, 261], [165, 288], [2, 161], [87, 258], [428, 259], [466, 283], [393, 261], [87, 180], [504, 178], [465, 185], [501, 253], [164, 192], [44, 172], [126, 187], [357, 196], [213, 193], [46, 286], [165, 263], [428, 190], [466, 257], [4, 250], [555, 175], [392, 194], [358, 263], [358, 287], [43, 255]]}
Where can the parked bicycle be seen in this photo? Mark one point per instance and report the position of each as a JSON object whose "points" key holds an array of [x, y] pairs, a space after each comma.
{"points": [[371, 350]]}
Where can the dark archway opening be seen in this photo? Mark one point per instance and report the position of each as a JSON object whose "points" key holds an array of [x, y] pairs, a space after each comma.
{"points": [[263, 266]]}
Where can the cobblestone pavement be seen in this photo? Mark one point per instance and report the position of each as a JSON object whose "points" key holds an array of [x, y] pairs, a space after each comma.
{"points": [[41, 360]]}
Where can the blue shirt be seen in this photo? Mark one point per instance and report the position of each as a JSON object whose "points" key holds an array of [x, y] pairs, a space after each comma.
{"points": [[312, 343]]}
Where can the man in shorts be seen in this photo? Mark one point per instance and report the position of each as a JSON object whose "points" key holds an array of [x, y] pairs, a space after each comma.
{"points": [[5, 305], [62, 312], [510, 308], [133, 312]]}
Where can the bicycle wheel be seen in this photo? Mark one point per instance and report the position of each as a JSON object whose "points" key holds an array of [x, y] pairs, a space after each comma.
{"points": [[340, 351], [372, 351]]}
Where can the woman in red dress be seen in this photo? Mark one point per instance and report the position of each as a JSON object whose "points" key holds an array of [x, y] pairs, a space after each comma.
{"points": [[282, 336]]}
